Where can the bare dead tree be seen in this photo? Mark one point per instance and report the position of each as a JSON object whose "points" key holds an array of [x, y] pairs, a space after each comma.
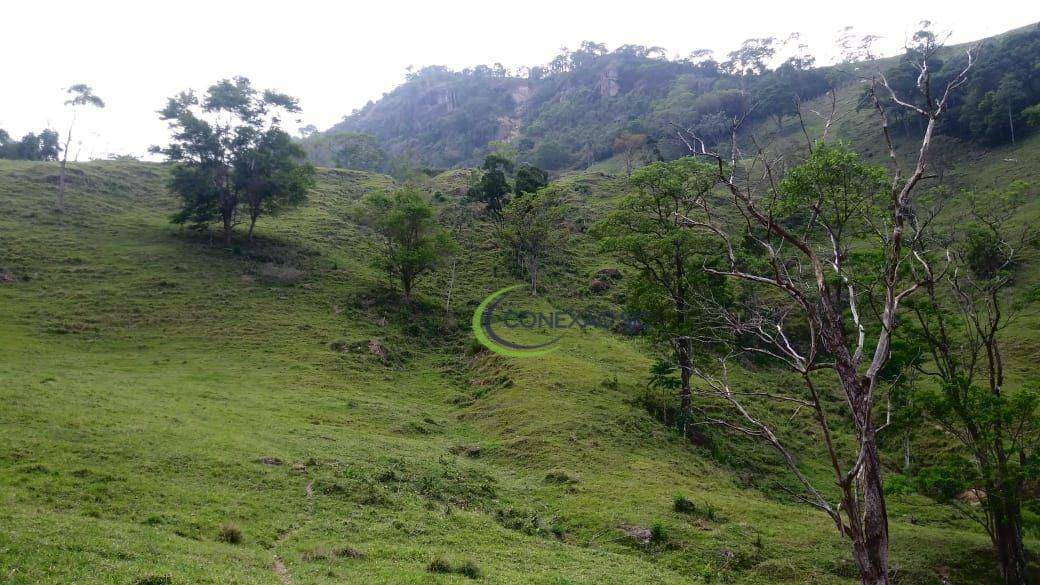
{"points": [[811, 294]]}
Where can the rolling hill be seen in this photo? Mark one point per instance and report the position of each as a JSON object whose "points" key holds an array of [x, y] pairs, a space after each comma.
{"points": [[178, 412]]}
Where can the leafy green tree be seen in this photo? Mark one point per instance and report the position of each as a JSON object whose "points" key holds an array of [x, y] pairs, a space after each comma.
{"points": [[81, 95], [272, 175], [776, 98], [414, 243], [550, 154], [359, 151], [493, 185], [1032, 115], [645, 232], [533, 228], [960, 325], [229, 150], [50, 147], [529, 179]]}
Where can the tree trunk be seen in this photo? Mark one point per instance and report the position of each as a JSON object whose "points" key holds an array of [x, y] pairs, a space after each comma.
{"points": [[61, 174], [61, 186], [406, 284], [227, 230], [684, 355], [1007, 533], [532, 268], [252, 224], [871, 552]]}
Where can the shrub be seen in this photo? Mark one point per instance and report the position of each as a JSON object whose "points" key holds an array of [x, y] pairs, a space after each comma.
{"points": [[470, 568], [562, 476], [684, 506], [324, 553], [439, 565], [467, 568], [658, 534], [230, 533]]}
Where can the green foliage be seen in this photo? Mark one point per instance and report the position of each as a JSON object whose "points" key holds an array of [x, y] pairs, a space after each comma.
{"points": [[995, 102], [533, 229], [43, 146], [238, 156], [569, 112], [414, 243], [1010, 422], [552, 155], [645, 232], [663, 376], [836, 182], [529, 179], [271, 175], [658, 533], [492, 187], [684, 506], [230, 533], [359, 151], [466, 567], [1032, 115]]}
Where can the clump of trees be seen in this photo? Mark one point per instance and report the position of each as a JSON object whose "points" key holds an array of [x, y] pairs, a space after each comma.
{"points": [[232, 160], [807, 294], [493, 188], [533, 229], [413, 242], [994, 105], [961, 319], [576, 106], [44, 146]]}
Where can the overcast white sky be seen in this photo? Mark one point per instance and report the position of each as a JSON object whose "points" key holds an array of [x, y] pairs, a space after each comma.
{"points": [[336, 57]]}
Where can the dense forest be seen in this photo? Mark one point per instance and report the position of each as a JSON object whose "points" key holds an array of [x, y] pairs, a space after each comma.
{"points": [[589, 104]]}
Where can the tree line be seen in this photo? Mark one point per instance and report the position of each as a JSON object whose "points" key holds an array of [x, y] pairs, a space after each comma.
{"points": [[32, 146]]}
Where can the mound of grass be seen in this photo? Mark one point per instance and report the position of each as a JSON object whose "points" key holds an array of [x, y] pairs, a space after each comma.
{"points": [[465, 567]]}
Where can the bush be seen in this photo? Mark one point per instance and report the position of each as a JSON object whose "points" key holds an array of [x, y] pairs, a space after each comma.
{"points": [[562, 476], [470, 568], [439, 565], [230, 533], [658, 534], [684, 506], [898, 484], [688, 507]]}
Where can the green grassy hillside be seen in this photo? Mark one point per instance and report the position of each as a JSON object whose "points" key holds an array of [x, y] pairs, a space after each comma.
{"points": [[157, 386]]}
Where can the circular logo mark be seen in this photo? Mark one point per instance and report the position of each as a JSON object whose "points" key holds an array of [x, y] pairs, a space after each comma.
{"points": [[483, 329]]}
